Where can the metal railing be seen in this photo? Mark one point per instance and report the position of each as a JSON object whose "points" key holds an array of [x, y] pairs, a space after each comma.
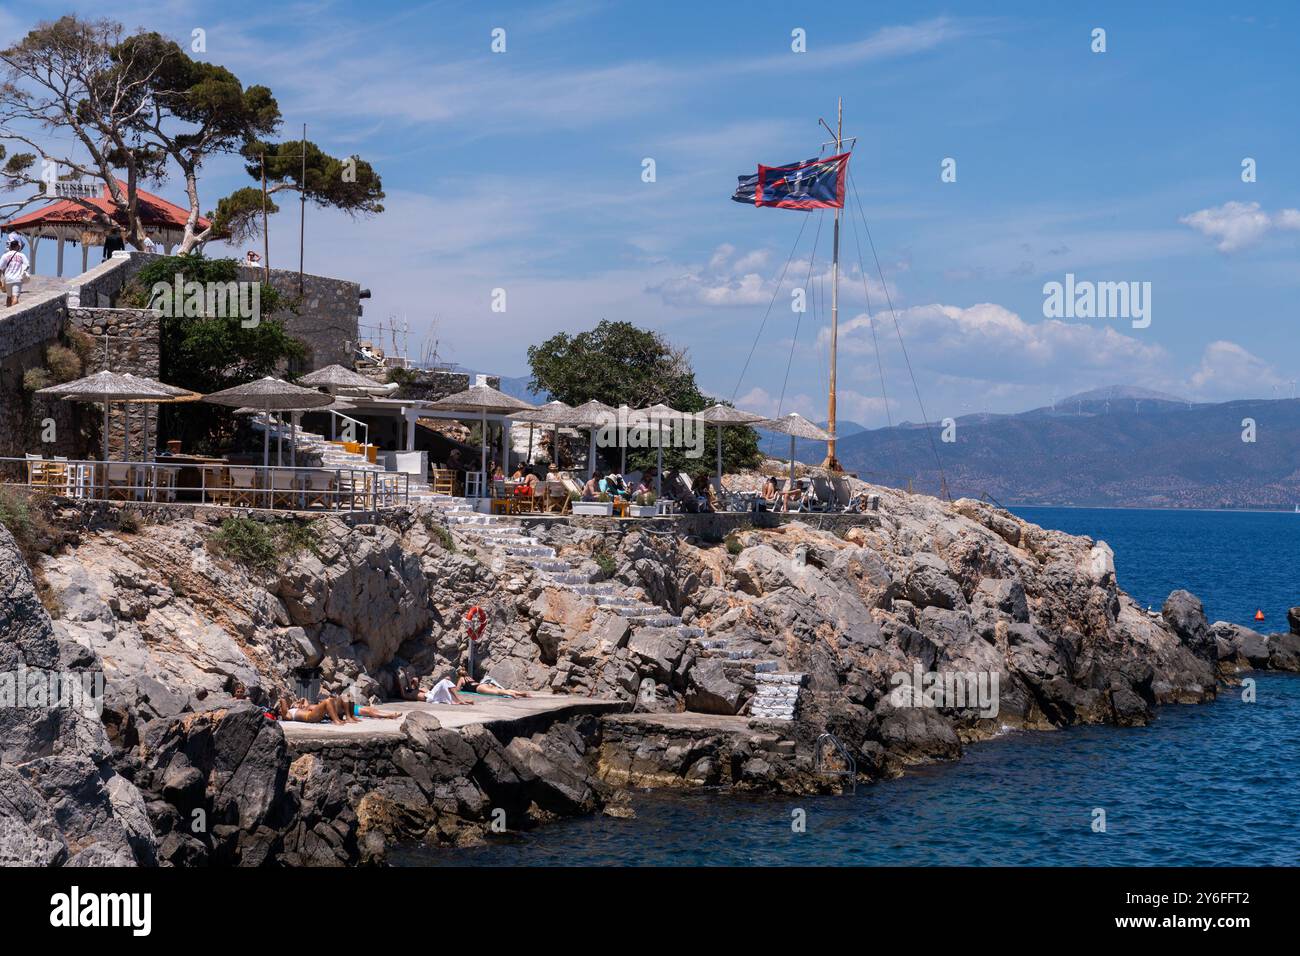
{"points": [[850, 769], [242, 486]]}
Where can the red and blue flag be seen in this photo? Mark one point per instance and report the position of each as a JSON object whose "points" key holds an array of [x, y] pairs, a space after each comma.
{"points": [[812, 184]]}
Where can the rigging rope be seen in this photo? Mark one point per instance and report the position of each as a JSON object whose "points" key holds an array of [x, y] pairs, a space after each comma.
{"points": [[925, 419], [807, 284], [779, 282]]}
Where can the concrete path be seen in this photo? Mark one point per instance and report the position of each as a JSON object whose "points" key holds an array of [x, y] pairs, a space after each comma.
{"points": [[484, 710]]}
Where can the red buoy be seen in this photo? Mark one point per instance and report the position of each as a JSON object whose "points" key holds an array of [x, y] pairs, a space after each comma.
{"points": [[1259, 615]]}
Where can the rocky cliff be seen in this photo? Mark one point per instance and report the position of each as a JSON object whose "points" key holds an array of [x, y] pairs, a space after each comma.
{"points": [[838, 622]]}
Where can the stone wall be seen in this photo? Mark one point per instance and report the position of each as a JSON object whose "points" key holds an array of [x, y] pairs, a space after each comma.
{"points": [[129, 339], [325, 320], [326, 316], [429, 385], [24, 334]]}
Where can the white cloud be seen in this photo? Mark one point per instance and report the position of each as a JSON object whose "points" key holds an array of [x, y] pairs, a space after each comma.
{"points": [[994, 344], [1228, 370], [1238, 225]]}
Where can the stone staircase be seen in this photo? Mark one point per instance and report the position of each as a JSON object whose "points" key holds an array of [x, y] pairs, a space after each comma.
{"points": [[776, 695], [313, 448]]}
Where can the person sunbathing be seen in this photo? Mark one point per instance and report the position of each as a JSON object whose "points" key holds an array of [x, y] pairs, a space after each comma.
{"points": [[444, 692], [367, 710], [303, 712], [486, 686]]}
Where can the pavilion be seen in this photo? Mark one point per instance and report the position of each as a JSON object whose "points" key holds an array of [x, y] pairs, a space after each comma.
{"points": [[66, 220]]}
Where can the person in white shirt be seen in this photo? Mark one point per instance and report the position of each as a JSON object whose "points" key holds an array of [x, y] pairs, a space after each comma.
{"points": [[150, 245], [14, 268]]}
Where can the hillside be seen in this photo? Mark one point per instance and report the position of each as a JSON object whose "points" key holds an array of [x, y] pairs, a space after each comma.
{"points": [[1150, 451]]}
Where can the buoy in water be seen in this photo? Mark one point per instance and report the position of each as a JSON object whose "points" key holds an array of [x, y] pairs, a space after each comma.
{"points": [[1259, 614]]}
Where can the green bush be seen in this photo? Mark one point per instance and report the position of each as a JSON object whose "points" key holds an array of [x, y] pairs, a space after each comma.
{"points": [[260, 545], [128, 521], [734, 546], [605, 561]]}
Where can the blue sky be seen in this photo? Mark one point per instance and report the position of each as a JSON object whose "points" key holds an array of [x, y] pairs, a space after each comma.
{"points": [[522, 171]]}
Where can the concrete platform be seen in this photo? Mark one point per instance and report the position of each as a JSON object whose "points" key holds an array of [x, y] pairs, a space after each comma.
{"points": [[483, 710]]}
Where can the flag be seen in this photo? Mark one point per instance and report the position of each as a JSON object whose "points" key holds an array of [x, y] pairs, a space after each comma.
{"points": [[812, 184]]}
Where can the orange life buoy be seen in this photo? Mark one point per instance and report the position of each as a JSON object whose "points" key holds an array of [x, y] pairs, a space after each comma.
{"points": [[475, 622]]}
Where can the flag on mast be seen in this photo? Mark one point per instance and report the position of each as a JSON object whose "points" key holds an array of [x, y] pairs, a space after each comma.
{"points": [[811, 184]]}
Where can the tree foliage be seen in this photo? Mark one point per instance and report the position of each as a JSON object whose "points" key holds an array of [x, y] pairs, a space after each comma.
{"points": [[211, 353], [620, 364], [141, 106]]}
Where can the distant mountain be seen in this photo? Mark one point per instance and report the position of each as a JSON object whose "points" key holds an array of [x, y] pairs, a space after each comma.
{"points": [[1101, 448]]}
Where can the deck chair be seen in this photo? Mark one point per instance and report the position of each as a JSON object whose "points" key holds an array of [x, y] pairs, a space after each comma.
{"points": [[844, 497], [242, 489], [822, 495], [119, 482], [284, 481], [318, 489]]}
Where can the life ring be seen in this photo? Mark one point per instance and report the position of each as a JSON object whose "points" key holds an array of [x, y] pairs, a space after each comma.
{"points": [[475, 622]]}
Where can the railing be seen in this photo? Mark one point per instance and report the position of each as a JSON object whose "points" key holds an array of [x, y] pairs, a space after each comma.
{"points": [[850, 769], [244, 486]]}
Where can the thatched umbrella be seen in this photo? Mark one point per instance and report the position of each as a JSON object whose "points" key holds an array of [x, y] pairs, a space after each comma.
{"points": [[336, 376], [556, 414], [719, 415], [485, 400], [657, 415], [267, 394], [175, 394], [592, 415], [107, 387], [796, 426]]}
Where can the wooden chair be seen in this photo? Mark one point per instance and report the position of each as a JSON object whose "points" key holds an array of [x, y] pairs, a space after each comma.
{"points": [[283, 483], [444, 481], [318, 489], [241, 489], [501, 503]]}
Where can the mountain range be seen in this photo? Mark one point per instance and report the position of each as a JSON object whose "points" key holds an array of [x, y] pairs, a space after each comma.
{"points": [[1111, 447]]}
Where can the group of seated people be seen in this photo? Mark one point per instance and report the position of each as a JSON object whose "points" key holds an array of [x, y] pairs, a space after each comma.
{"points": [[613, 486]]}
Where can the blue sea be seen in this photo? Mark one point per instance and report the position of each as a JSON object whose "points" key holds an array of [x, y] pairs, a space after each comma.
{"points": [[1214, 784]]}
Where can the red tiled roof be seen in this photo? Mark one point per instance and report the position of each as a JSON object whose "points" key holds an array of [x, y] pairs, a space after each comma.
{"points": [[154, 211]]}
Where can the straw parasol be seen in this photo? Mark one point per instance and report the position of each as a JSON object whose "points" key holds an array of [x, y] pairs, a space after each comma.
{"points": [[591, 415], [175, 393], [107, 387], [719, 415], [658, 414], [796, 426], [556, 414], [485, 400], [336, 376], [270, 394]]}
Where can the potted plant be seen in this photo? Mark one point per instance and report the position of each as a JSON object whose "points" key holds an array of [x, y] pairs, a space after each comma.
{"points": [[602, 506], [644, 506]]}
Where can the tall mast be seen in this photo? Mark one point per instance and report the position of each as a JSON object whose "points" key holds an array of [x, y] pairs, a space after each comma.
{"points": [[831, 462]]}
